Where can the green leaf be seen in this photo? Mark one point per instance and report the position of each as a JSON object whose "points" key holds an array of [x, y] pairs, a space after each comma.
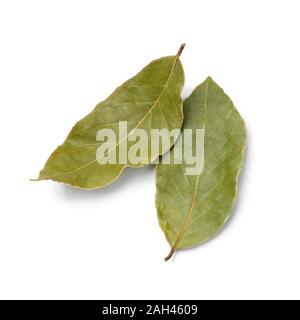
{"points": [[193, 208], [151, 99]]}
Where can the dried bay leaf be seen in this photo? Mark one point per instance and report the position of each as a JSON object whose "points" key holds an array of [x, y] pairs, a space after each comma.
{"points": [[193, 208], [151, 99]]}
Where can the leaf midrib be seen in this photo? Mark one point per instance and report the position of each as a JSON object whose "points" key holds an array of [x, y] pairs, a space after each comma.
{"points": [[189, 216], [156, 102]]}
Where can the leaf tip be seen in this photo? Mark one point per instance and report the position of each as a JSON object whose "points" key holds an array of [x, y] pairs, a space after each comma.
{"points": [[39, 178]]}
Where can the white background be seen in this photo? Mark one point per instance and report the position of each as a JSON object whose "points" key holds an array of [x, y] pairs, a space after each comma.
{"points": [[57, 60]]}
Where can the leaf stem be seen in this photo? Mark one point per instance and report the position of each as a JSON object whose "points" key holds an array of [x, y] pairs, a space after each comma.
{"points": [[180, 50], [169, 256]]}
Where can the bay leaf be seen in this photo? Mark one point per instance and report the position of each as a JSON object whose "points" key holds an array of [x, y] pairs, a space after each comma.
{"points": [[193, 208], [151, 99]]}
